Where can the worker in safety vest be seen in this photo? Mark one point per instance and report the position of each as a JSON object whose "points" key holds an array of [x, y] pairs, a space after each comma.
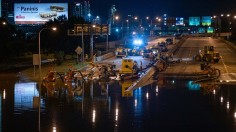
{"points": [[141, 66]]}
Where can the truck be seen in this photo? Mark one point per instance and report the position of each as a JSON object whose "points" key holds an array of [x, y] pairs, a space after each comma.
{"points": [[121, 52], [208, 55]]}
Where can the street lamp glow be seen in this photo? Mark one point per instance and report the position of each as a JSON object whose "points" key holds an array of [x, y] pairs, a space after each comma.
{"points": [[39, 52], [4, 23], [89, 14], [117, 17]]}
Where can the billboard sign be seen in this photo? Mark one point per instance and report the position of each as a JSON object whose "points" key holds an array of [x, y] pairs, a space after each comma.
{"points": [[206, 21], [38, 13], [194, 21]]}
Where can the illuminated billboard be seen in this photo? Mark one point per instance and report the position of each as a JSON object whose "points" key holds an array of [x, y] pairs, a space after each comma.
{"points": [[206, 21], [39, 13], [194, 21], [179, 21]]}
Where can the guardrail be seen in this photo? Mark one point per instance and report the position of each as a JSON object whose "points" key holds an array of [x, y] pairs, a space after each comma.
{"points": [[229, 43]]}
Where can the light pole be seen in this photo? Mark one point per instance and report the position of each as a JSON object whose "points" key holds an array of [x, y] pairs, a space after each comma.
{"points": [[91, 40], [40, 74], [39, 55], [229, 26], [82, 45]]}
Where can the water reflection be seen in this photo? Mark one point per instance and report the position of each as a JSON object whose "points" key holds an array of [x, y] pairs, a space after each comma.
{"points": [[107, 106], [25, 94]]}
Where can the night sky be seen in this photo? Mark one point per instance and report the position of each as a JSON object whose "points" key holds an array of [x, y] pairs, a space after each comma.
{"points": [[177, 8], [153, 8]]}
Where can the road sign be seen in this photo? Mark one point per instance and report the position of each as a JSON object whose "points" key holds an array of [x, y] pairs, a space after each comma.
{"points": [[78, 50], [88, 29]]}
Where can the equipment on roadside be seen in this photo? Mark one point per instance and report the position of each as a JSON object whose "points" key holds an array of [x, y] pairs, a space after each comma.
{"points": [[129, 69], [70, 76], [208, 55], [127, 66], [121, 52], [50, 77], [134, 52]]}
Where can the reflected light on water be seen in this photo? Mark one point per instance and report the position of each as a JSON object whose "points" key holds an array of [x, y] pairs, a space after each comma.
{"points": [[135, 102], [157, 89], [147, 95], [221, 99], [4, 94], [227, 106], [214, 91], [93, 116], [173, 81], [54, 129], [234, 114], [117, 113]]}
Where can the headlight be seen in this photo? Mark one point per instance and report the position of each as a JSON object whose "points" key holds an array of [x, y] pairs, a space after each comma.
{"points": [[138, 42]]}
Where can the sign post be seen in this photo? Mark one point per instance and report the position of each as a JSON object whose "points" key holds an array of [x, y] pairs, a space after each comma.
{"points": [[78, 50], [91, 30], [35, 61]]}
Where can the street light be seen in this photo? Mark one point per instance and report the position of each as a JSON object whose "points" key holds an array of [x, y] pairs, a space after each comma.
{"points": [[39, 55], [91, 40], [40, 76]]}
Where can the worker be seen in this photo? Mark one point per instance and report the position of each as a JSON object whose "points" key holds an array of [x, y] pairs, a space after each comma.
{"points": [[135, 66], [141, 66]]}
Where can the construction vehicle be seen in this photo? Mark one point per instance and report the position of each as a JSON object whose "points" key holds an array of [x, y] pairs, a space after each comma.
{"points": [[129, 69], [127, 66], [208, 55], [121, 52]]}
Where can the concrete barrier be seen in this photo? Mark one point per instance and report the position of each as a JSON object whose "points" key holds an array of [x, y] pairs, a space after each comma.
{"points": [[105, 56], [228, 42], [177, 46]]}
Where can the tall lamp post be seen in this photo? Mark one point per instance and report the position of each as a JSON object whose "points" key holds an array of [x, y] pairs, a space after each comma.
{"points": [[39, 55], [91, 40], [40, 74]]}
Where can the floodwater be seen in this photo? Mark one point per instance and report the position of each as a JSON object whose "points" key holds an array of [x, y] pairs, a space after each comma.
{"points": [[167, 104]]}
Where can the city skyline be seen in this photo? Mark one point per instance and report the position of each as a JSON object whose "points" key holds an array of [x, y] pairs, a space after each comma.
{"points": [[152, 8]]}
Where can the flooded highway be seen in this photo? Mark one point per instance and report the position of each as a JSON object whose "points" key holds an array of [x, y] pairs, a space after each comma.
{"points": [[167, 104]]}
